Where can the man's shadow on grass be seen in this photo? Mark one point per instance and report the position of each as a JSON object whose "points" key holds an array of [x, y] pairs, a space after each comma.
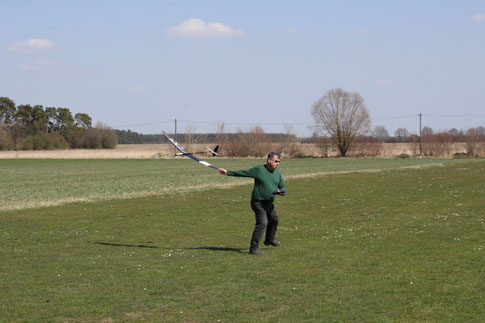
{"points": [[123, 245], [226, 249], [240, 250]]}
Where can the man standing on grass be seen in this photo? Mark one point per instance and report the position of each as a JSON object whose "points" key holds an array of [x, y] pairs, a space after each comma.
{"points": [[267, 182]]}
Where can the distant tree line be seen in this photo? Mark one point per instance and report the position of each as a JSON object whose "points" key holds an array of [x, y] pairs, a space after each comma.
{"points": [[254, 142], [131, 137], [26, 127], [402, 135]]}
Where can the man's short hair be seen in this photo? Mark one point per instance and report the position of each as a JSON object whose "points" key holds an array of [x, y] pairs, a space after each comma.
{"points": [[272, 154]]}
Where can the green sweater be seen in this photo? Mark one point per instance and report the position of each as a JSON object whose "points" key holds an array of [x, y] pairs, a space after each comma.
{"points": [[265, 181]]}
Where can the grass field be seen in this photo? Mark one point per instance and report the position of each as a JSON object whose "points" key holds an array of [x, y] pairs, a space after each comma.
{"points": [[376, 244], [28, 183]]}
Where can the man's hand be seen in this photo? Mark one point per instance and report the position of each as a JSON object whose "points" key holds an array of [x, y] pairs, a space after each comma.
{"points": [[222, 171], [280, 192]]}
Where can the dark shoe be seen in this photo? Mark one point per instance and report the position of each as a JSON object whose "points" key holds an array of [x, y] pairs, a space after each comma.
{"points": [[273, 243], [256, 252]]}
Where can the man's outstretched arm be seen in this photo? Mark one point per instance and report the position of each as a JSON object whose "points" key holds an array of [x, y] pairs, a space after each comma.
{"points": [[240, 173]]}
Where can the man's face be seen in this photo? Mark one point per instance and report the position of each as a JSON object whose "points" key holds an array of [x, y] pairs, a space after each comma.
{"points": [[273, 163]]}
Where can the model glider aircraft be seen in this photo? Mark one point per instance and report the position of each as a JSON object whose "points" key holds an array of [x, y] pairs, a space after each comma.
{"points": [[184, 152], [214, 151]]}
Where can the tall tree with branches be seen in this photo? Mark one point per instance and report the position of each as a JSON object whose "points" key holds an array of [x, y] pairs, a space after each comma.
{"points": [[7, 110], [343, 116]]}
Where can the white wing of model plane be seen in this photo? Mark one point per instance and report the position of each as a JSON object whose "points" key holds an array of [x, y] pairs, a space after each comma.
{"points": [[184, 152]]}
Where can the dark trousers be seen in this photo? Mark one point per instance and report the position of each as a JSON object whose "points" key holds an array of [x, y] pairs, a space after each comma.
{"points": [[266, 217]]}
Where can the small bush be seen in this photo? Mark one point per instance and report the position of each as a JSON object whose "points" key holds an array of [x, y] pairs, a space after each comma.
{"points": [[43, 142], [325, 145], [40, 142], [28, 143], [290, 145], [474, 142], [57, 142], [108, 139], [99, 138], [92, 139], [414, 148], [436, 145], [253, 144]]}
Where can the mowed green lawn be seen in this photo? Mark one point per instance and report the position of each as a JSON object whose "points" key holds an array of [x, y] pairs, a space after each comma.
{"points": [[395, 245]]}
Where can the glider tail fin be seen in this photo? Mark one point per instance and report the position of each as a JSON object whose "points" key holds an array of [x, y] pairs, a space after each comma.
{"points": [[216, 151]]}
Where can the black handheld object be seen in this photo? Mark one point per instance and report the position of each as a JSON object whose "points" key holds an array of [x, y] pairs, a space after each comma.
{"points": [[280, 192]]}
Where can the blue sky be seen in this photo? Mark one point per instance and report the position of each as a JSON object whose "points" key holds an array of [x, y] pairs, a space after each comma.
{"points": [[141, 64]]}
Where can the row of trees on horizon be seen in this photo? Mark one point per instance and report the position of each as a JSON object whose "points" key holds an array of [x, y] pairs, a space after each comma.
{"points": [[26, 127], [132, 137], [341, 119], [377, 134]]}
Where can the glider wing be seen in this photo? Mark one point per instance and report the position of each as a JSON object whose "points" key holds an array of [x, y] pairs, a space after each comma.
{"points": [[186, 153], [213, 151]]}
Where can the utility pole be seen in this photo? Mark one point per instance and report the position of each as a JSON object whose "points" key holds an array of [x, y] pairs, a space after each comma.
{"points": [[420, 137], [175, 136], [175, 133]]}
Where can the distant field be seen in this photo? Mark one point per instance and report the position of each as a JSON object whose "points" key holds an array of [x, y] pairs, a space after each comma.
{"points": [[145, 151], [26, 183], [371, 245], [142, 151]]}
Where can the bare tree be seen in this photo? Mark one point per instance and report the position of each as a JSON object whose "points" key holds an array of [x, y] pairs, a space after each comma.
{"points": [[254, 143], [221, 134], [257, 141], [438, 144], [380, 133], [454, 132], [189, 136], [402, 134], [290, 145], [343, 116], [474, 139], [427, 131]]}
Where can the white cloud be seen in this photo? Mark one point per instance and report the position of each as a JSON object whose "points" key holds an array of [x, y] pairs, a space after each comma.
{"points": [[197, 28], [31, 45], [362, 30], [478, 17], [293, 30]]}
